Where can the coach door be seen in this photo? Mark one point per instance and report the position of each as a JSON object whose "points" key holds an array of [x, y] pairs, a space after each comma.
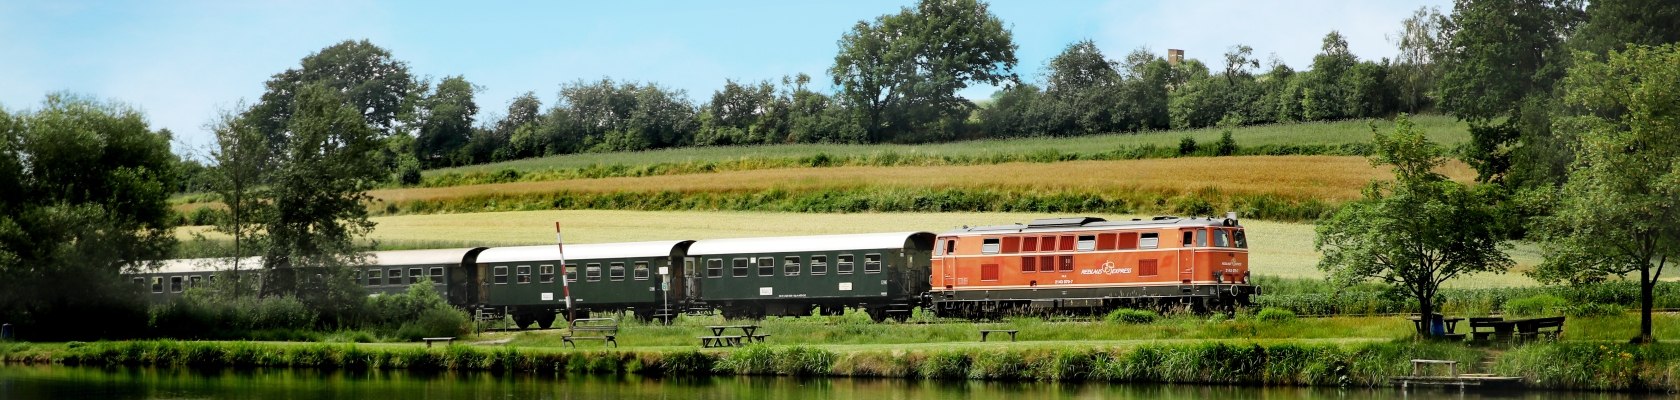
{"points": [[947, 263], [1187, 253]]}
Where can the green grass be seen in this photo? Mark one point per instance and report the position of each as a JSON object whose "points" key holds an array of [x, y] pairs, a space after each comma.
{"points": [[1441, 129]]}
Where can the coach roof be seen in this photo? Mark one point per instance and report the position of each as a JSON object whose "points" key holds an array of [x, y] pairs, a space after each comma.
{"points": [[791, 244], [418, 257], [590, 251]]}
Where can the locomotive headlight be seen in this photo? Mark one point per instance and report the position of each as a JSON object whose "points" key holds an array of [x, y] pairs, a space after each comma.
{"points": [[1219, 277]]}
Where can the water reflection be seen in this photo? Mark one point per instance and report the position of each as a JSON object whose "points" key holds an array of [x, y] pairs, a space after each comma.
{"points": [[55, 382]]}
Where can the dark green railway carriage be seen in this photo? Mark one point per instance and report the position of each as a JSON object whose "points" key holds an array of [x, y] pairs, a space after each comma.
{"points": [[882, 273], [171, 278], [522, 281], [394, 271]]}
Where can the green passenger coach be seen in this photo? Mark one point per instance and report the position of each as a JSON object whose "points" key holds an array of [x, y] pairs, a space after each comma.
{"points": [[883, 273], [524, 281]]}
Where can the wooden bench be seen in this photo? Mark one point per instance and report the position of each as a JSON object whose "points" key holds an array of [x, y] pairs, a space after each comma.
{"points": [[603, 329], [1484, 328], [1536, 328], [720, 341], [1011, 332], [446, 340], [758, 338], [1452, 366]]}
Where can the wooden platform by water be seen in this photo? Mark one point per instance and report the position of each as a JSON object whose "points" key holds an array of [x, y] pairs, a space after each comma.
{"points": [[1454, 379]]}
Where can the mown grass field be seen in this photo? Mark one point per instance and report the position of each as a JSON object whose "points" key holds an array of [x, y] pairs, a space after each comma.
{"points": [[1439, 128], [1327, 178], [1276, 248]]}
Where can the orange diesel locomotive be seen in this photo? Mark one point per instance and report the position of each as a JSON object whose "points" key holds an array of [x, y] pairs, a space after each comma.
{"points": [[1090, 265]]}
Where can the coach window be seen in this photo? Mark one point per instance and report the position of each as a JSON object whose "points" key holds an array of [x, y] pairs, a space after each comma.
{"points": [[616, 273], [592, 272], [437, 274], [175, 284], [738, 267], [1220, 238], [989, 246], [843, 265], [1011, 244], [1201, 238], [819, 265], [1087, 242], [1239, 239], [393, 276], [210, 278], [714, 268], [501, 275], [766, 266], [1149, 241], [1029, 264], [1147, 267], [545, 274], [415, 275], [1029, 244], [524, 274], [192, 281], [790, 266], [871, 263], [571, 272], [157, 285], [1128, 241], [375, 278], [641, 272], [1105, 241], [138, 281]]}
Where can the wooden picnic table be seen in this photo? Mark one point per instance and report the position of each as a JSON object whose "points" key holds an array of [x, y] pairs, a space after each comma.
{"points": [[746, 330], [1527, 329], [1451, 324]]}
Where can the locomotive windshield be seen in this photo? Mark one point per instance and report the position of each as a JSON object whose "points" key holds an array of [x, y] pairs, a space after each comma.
{"points": [[1241, 241]]}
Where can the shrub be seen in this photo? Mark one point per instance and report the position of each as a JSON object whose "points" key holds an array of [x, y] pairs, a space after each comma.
{"points": [[1187, 146], [1131, 316], [1542, 304], [1276, 315], [1227, 145]]}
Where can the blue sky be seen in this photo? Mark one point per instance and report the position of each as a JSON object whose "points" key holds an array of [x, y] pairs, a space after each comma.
{"points": [[182, 61]]}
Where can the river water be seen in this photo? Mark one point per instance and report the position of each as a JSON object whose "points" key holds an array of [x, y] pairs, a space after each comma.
{"points": [[58, 382]]}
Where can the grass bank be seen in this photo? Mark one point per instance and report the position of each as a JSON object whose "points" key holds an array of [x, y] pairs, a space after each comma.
{"points": [[1592, 367]]}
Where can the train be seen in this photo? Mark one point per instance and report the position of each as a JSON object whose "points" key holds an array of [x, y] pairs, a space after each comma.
{"points": [[1047, 266]]}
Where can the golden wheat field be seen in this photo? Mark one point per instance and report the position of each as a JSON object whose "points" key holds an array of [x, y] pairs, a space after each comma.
{"points": [[1329, 178], [1276, 248]]}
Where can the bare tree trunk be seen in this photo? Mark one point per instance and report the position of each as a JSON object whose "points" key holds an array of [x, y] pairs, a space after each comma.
{"points": [[1426, 308]]}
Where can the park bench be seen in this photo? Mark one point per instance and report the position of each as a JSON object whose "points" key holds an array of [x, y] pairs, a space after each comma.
{"points": [[1549, 328], [1485, 328], [602, 329], [1011, 332], [446, 340], [1417, 366]]}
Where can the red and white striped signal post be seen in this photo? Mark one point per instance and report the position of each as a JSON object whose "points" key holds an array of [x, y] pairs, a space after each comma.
{"points": [[565, 284]]}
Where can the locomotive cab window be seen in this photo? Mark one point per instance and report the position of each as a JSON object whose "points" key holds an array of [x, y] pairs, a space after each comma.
{"points": [[766, 266], [951, 246], [501, 275], [642, 272], [1201, 238], [1087, 242], [819, 265], [714, 268], [844, 264], [523, 274], [937, 249], [989, 246], [437, 274], [592, 272], [1189, 238], [1149, 241], [616, 273], [545, 274], [740, 268], [1239, 239], [1220, 238], [872, 263], [790, 266]]}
